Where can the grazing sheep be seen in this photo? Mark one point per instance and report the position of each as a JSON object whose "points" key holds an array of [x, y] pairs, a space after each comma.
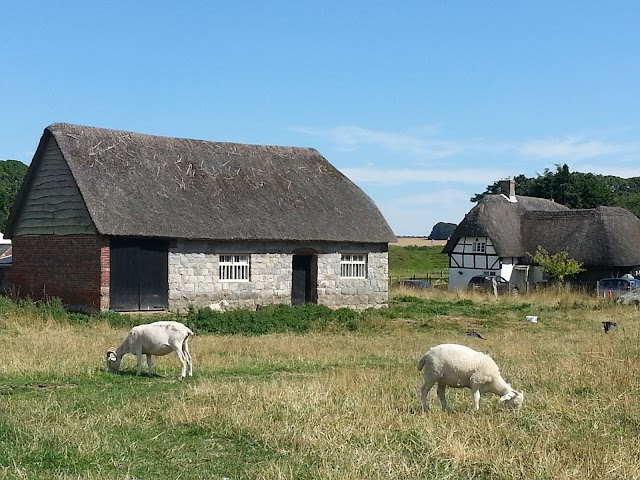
{"points": [[158, 338], [457, 366], [221, 306]]}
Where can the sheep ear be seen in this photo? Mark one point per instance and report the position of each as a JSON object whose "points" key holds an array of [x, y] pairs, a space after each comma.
{"points": [[508, 396]]}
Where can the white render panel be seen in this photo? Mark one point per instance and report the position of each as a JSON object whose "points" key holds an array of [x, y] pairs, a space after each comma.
{"points": [[471, 263]]}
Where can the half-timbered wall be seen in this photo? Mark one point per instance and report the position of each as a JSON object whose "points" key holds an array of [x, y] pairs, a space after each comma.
{"points": [[472, 256]]}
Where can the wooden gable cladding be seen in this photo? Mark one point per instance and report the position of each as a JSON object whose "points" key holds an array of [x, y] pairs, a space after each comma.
{"points": [[53, 204]]}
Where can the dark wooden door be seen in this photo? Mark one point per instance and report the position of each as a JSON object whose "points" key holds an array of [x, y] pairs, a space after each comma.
{"points": [[303, 280], [139, 277]]}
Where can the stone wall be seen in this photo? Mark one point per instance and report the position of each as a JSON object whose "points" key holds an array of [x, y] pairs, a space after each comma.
{"points": [[194, 279], [334, 291]]}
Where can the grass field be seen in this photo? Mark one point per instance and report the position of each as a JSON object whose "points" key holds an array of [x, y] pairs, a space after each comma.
{"points": [[413, 260], [339, 401]]}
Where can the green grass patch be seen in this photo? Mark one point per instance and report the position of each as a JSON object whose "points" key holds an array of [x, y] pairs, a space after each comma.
{"points": [[412, 260]]}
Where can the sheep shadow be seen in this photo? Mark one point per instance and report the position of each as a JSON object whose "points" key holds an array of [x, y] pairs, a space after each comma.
{"points": [[132, 373]]}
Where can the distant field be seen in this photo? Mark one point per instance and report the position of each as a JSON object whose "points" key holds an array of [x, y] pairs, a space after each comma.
{"points": [[418, 242]]}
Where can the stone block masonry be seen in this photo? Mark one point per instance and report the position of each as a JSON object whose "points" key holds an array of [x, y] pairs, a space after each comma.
{"points": [[194, 274]]}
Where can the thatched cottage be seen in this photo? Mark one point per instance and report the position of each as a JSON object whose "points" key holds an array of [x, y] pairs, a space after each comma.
{"points": [[500, 232], [109, 219]]}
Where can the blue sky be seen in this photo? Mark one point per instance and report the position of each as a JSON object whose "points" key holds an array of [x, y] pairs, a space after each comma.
{"points": [[421, 103]]}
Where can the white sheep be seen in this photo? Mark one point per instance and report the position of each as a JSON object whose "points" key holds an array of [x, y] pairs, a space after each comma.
{"points": [[221, 306], [457, 366], [158, 338]]}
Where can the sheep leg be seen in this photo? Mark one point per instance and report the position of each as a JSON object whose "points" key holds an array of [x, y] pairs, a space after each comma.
{"points": [[149, 365], [443, 400], [183, 362], [424, 391], [138, 362], [187, 354], [475, 392]]}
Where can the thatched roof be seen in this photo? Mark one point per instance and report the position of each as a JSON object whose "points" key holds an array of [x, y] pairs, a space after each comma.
{"points": [[494, 216], [603, 236], [144, 185]]}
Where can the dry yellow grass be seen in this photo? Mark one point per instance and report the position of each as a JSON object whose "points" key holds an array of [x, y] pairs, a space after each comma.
{"points": [[343, 406], [418, 242]]}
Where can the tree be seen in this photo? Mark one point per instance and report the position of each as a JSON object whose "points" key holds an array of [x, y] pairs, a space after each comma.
{"points": [[442, 231], [12, 173], [572, 189], [556, 266]]}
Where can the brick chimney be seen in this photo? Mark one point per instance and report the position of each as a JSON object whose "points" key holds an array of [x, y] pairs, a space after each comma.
{"points": [[508, 188]]}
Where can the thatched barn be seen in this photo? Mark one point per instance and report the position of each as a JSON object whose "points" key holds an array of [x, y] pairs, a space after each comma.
{"points": [[109, 219], [501, 232]]}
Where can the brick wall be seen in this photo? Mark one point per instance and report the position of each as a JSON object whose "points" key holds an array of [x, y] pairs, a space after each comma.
{"points": [[74, 268]]}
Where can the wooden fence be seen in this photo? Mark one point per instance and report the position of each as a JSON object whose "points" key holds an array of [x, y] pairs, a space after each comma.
{"points": [[438, 279]]}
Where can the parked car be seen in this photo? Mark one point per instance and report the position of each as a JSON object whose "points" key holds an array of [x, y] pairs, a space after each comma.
{"points": [[614, 287], [485, 282], [418, 284]]}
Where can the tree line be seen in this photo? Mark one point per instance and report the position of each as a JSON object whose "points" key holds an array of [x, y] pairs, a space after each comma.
{"points": [[577, 190], [12, 173]]}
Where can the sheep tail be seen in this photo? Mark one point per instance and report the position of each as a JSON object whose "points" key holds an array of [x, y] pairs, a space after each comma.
{"points": [[421, 363]]}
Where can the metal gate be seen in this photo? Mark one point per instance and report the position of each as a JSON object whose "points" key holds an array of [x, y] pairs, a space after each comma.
{"points": [[304, 279], [139, 274]]}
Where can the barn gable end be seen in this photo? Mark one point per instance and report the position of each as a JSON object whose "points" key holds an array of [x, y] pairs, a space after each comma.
{"points": [[53, 204]]}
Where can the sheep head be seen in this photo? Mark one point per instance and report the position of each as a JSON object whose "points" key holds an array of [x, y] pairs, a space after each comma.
{"points": [[513, 399], [113, 362]]}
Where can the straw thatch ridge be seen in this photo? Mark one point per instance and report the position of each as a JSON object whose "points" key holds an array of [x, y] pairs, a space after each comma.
{"points": [[152, 186], [501, 220], [597, 237]]}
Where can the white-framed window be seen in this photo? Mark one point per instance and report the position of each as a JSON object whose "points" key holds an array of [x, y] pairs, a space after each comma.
{"points": [[234, 268], [353, 266], [479, 246]]}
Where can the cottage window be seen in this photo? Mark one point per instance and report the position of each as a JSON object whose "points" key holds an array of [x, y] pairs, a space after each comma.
{"points": [[353, 266], [234, 268], [479, 247]]}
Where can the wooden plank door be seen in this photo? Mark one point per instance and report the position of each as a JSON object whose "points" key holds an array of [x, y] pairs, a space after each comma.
{"points": [[303, 279], [139, 274]]}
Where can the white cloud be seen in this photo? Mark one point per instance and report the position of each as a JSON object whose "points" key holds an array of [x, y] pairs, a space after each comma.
{"points": [[426, 143], [607, 168], [405, 175], [351, 137], [575, 147], [447, 196], [463, 167]]}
